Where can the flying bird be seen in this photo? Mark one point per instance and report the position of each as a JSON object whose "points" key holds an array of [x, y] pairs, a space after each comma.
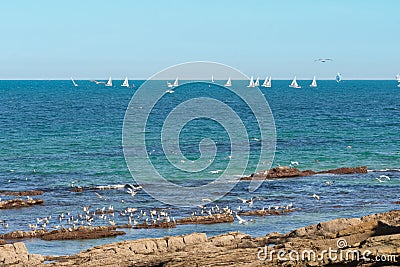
{"points": [[323, 60]]}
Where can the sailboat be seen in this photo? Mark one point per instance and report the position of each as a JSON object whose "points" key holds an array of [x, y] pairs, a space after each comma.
{"points": [[73, 82], [125, 83], [338, 77], [294, 83], [175, 84], [267, 82], [212, 78], [251, 84], [228, 82], [257, 83], [313, 83], [109, 82], [398, 78]]}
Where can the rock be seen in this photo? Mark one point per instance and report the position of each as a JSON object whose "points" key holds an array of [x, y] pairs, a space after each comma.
{"points": [[286, 172], [19, 203], [347, 170], [22, 193], [209, 219], [155, 225], [378, 234], [265, 212], [82, 232], [17, 255]]}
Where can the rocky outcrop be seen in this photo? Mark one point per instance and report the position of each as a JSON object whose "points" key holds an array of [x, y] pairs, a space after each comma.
{"points": [[371, 236], [264, 212], [209, 219], [19, 203], [287, 172], [82, 232], [22, 193], [17, 255], [376, 234]]}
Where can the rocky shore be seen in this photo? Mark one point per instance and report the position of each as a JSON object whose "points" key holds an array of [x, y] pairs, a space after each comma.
{"points": [[288, 172], [373, 237]]}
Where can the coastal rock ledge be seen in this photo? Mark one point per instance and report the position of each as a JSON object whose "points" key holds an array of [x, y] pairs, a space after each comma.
{"points": [[379, 234], [287, 172]]}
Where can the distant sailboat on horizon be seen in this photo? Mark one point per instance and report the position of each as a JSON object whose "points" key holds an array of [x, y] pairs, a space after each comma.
{"points": [[212, 78], [109, 82], [125, 83], [228, 82], [338, 77], [398, 78], [257, 82], [251, 84], [175, 84], [267, 82], [314, 82], [294, 83], [73, 82]]}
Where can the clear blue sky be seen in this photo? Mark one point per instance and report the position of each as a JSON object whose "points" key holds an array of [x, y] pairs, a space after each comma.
{"points": [[47, 39]]}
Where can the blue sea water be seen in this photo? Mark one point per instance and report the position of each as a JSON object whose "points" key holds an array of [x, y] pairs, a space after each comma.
{"points": [[52, 133]]}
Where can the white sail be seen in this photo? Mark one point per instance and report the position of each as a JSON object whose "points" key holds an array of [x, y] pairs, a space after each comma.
{"points": [[267, 82], [294, 83], [175, 84], [257, 83], [125, 83], [228, 82], [338, 77], [212, 78], [251, 84], [398, 78], [109, 82], [73, 82], [314, 82]]}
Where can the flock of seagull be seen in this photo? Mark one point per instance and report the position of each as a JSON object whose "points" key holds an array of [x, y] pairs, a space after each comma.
{"points": [[107, 215]]}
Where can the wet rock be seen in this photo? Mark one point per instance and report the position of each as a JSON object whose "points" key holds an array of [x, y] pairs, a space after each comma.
{"points": [[82, 232], [155, 225], [265, 212], [22, 193], [287, 172], [209, 219], [19, 203]]}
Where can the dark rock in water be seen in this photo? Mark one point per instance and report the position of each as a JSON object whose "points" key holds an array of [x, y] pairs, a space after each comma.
{"points": [[287, 172], [265, 212], [348, 170], [82, 232], [22, 193], [209, 219], [19, 203], [155, 225]]}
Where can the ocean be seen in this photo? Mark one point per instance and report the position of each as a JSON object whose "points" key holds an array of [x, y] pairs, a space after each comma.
{"points": [[53, 134]]}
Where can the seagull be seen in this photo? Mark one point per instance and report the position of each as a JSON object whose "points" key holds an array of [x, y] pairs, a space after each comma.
{"points": [[216, 172], [294, 163], [316, 197], [380, 179], [323, 60], [131, 192], [206, 200], [330, 183], [241, 221], [100, 196], [170, 91], [384, 177]]}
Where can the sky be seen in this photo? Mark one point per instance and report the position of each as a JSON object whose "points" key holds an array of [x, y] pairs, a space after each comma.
{"points": [[93, 39]]}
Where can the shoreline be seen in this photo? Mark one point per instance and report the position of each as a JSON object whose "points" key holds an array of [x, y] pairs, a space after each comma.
{"points": [[377, 234]]}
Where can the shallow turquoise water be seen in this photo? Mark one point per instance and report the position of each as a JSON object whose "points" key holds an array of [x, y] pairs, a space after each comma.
{"points": [[52, 134]]}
